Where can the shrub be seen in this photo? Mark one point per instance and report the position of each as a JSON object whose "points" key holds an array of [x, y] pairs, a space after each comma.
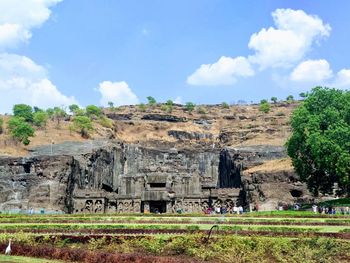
{"points": [[40, 118], [190, 106], [20, 130], [24, 111], [225, 105], [264, 107], [105, 122], [290, 98], [93, 111], [83, 125]]}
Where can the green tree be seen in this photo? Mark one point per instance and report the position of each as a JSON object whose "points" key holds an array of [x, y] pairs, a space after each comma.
{"points": [[302, 95], [290, 98], [73, 108], [274, 100], [189, 106], [20, 129], [24, 111], [58, 114], [225, 105], [111, 105], [40, 118], [36, 109], [320, 143], [93, 111], [263, 101], [151, 101], [264, 107], [83, 125], [50, 112]]}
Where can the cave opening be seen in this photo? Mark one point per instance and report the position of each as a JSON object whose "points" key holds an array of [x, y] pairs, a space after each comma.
{"points": [[229, 171], [296, 193], [107, 188], [26, 167]]}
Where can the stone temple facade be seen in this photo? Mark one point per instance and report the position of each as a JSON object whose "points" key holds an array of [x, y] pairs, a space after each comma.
{"points": [[126, 178]]}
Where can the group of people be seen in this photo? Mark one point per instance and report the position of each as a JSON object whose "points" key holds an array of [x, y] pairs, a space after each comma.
{"points": [[224, 210], [330, 210]]}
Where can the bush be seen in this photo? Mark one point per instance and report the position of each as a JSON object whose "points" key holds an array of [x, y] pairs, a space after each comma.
{"points": [[24, 111], [40, 118], [73, 108], [274, 99], [190, 106], [93, 111], [105, 122], [83, 125], [264, 107], [20, 130], [225, 105]]}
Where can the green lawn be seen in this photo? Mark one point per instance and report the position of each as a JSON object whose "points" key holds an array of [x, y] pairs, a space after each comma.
{"points": [[18, 259]]}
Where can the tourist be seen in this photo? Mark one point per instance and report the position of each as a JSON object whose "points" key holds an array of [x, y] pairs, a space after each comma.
{"points": [[314, 208], [342, 210], [217, 209], [240, 210], [235, 209], [347, 210]]}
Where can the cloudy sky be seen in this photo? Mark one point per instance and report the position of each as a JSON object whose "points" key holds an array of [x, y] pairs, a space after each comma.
{"points": [[59, 52]]}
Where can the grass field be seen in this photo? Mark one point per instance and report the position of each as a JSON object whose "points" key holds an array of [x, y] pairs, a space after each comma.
{"points": [[255, 237]]}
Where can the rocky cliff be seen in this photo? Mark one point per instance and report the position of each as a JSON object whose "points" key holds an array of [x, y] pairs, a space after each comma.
{"points": [[159, 162]]}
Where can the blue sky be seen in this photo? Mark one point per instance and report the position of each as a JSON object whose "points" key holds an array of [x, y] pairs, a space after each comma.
{"points": [[90, 52]]}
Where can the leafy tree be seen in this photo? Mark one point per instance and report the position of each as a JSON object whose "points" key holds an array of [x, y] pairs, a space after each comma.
{"points": [[274, 100], [59, 114], [264, 107], [190, 106], [83, 125], [73, 108], [1, 125], [36, 109], [24, 111], [111, 105], [93, 111], [50, 112], [20, 129], [225, 105], [320, 141], [290, 98], [302, 95], [142, 107], [151, 101], [40, 118], [263, 101]]}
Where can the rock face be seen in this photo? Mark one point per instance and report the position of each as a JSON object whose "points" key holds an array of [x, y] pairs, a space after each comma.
{"points": [[106, 176]]}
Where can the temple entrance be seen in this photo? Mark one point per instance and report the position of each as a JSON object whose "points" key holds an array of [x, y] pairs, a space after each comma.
{"points": [[157, 207]]}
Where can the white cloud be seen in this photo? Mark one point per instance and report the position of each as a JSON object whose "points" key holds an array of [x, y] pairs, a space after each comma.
{"points": [[23, 81], [342, 79], [288, 43], [117, 92], [19, 17], [223, 72], [315, 71]]}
